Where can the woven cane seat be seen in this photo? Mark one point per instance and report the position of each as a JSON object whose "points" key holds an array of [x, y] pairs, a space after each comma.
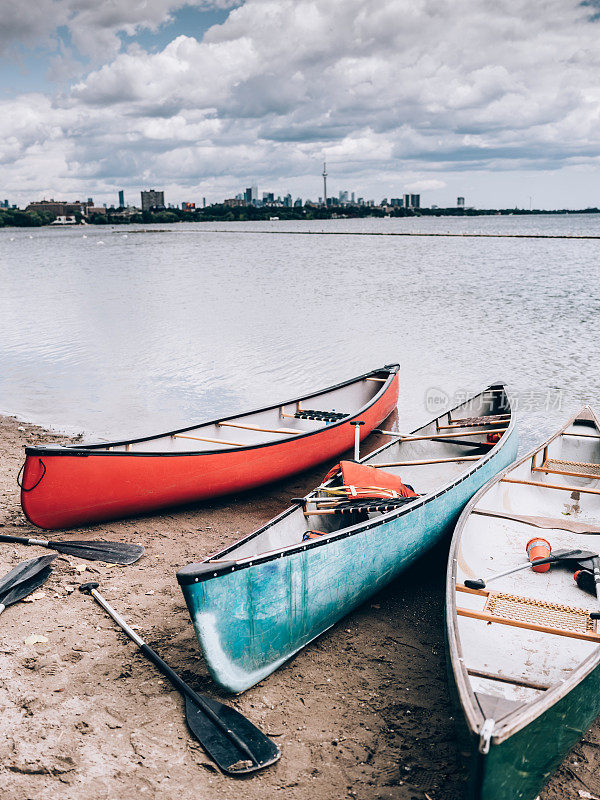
{"points": [[471, 422], [320, 416], [539, 612], [586, 470]]}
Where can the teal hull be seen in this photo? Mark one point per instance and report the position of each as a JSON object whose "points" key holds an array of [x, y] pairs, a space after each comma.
{"points": [[518, 767], [250, 621]]}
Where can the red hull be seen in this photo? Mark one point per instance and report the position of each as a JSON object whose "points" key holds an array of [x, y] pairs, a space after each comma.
{"points": [[92, 486]]}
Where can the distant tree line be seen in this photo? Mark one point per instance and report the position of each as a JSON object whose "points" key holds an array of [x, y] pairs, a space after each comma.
{"points": [[222, 213], [15, 218]]}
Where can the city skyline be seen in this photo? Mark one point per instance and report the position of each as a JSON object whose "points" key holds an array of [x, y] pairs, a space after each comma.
{"points": [[192, 95]]}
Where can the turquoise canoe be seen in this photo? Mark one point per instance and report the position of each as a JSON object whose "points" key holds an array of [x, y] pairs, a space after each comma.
{"points": [[257, 602], [523, 648]]}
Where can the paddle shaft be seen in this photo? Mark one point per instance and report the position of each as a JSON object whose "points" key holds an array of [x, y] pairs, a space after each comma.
{"points": [[357, 425], [596, 569], [24, 540], [537, 563], [178, 682]]}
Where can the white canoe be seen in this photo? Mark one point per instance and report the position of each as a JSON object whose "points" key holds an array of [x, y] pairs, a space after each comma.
{"points": [[523, 652]]}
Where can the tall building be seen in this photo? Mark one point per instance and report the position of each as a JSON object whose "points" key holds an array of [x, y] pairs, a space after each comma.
{"points": [[121, 199], [152, 199], [251, 195], [412, 200], [460, 202], [324, 184]]}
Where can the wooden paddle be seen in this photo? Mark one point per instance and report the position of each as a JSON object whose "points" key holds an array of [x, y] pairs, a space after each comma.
{"points": [[235, 744], [110, 552]]}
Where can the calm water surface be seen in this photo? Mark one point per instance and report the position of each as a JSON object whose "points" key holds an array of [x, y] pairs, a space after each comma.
{"points": [[130, 330]]}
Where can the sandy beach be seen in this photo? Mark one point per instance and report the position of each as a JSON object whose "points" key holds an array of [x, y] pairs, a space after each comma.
{"points": [[363, 712]]}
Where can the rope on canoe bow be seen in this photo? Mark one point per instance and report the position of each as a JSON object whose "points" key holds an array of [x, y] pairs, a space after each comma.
{"points": [[37, 483]]}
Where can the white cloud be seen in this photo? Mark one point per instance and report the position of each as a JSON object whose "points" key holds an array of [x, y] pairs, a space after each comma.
{"points": [[392, 87]]}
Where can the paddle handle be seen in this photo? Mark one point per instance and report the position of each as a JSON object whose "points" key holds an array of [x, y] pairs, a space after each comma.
{"points": [[178, 682], [4, 537]]}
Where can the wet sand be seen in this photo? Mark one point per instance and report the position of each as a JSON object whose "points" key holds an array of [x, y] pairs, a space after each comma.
{"points": [[363, 712]]}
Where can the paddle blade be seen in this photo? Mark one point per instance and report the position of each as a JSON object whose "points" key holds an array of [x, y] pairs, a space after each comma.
{"points": [[22, 573], [110, 552], [24, 588], [220, 747]]}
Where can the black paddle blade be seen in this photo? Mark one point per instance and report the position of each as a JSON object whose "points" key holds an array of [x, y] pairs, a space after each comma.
{"points": [[23, 573], [110, 552], [23, 589], [220, 747]]}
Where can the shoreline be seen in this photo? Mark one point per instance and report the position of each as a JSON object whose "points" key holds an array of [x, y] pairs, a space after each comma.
{"points": [[312, 213], [363, 712]]}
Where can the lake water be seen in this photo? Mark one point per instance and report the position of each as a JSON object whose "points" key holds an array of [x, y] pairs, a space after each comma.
{"points": [[130, 330]]}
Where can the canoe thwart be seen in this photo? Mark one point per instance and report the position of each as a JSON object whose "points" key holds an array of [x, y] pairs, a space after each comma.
{"points": [[562, 523], [581, 489], [494, 676], [424, 461], [206, 439], [257, 428]]}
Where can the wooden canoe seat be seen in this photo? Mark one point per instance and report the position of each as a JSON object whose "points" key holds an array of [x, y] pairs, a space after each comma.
{"points": [[328, 506], [532, 614], [539, 612], [481, 420], [576, 468], [475, 422], [320, 416]]}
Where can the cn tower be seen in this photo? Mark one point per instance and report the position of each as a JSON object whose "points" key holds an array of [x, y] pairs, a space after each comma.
{"points": [[324, 184]]}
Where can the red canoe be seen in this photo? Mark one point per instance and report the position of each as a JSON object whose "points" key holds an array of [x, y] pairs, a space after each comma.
{"points": [[62, 487]]}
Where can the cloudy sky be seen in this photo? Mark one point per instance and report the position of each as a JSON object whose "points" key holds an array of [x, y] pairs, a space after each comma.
{"points": [[496, 100]]}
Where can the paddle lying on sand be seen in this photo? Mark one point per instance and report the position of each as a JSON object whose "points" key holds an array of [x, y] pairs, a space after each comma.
{"points": [[110, 552], [235, 744], [23, 579], [558, 555]]}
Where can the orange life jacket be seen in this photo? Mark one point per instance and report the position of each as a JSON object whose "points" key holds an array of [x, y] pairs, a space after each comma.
{"points": [[362, 481]]}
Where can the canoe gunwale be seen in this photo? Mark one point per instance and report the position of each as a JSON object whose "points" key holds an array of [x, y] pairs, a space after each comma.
{"points": [[208, 569], [101, 448], [522, 716]]}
